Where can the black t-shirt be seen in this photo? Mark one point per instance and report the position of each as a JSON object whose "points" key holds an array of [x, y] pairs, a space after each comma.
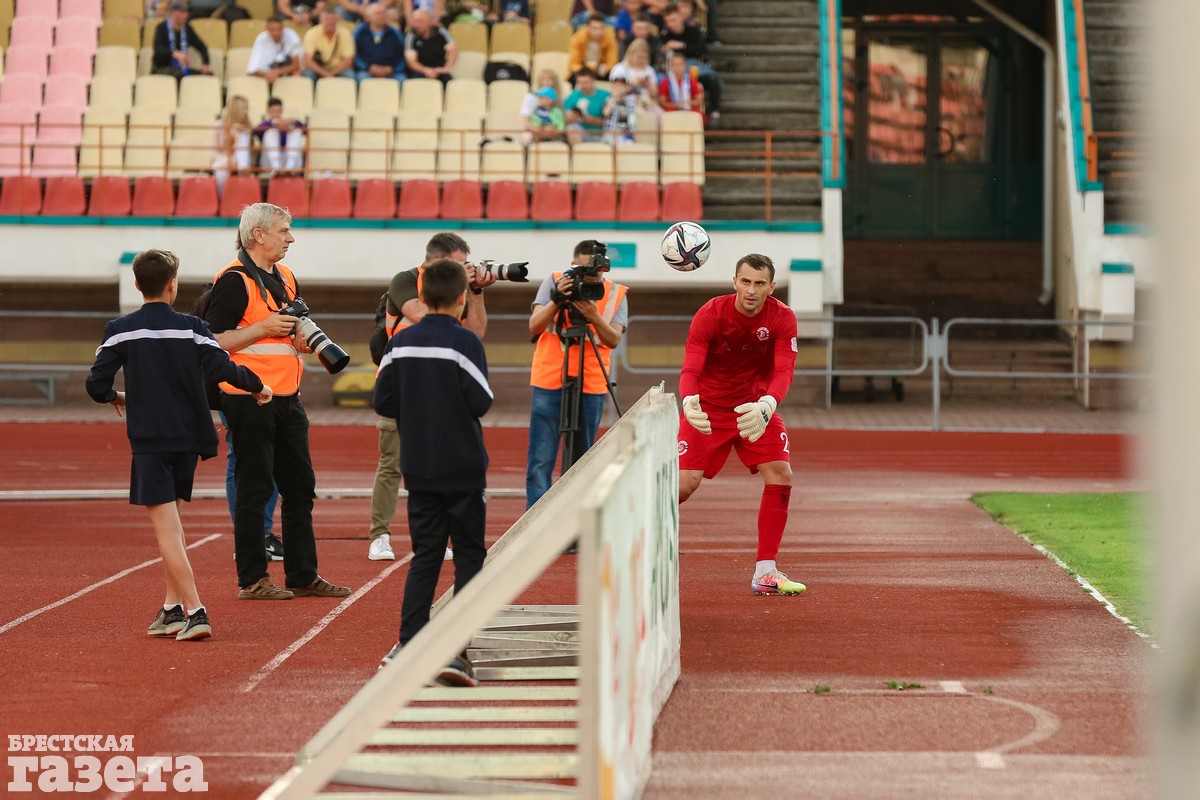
{"points": [[431, 50], [228, 302]]}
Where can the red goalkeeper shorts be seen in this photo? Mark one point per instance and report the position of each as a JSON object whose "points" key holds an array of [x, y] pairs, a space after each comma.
{"points": [[698, 451]]}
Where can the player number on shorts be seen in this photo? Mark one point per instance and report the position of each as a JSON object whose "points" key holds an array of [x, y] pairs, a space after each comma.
{"points": [[786, 445]]}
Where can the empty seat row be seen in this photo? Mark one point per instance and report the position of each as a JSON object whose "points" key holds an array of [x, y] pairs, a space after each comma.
{"points": [[46, 32], [331, 198]]}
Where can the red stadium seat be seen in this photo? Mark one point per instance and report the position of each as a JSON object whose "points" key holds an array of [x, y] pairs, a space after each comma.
{"points": [[20, 194], [507, 200], [110, 196], [551, 201], [462, 199], [330, 198], [682, 200], [639, 202], [153, 196], [419, 199], [375, 198], [240, 191], [290, 193], [64, 197], [197, 196], [595, 200]]}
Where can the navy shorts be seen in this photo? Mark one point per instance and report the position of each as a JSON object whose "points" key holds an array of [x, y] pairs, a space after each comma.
{"points": [[158, 478]]}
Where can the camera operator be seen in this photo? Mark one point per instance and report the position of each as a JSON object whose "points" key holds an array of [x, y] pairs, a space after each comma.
{"points": [[556, 306], [405, 308], [271, 441]]}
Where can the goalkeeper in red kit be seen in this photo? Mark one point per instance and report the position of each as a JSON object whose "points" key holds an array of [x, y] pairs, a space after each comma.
{"points": [[737, 367]]}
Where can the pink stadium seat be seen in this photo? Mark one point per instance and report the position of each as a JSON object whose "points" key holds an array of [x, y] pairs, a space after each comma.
{"points": [[462, 199], [71, 61], [507, 200], [81, 8], [25, 92], [43, 9], [64, 197], [419, 199], [639, 202], [24, 59], [551, 201], [17, 133], [66, 90], [595, 200], [55, 158], [60, 125], [290, 193], [110, 197], [154, 197], [375, 198], [330, 198], [682, 200], [240, 191], [78, 32], [20, 195], [32, 30], [197, 196]]}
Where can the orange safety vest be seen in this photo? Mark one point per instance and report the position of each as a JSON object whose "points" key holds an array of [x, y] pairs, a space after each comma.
{"points": [[273, 359], [397, 322], [547, 371]]}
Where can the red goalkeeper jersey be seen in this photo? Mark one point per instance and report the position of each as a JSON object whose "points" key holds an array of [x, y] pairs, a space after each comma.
{"points": [[732, 359]]}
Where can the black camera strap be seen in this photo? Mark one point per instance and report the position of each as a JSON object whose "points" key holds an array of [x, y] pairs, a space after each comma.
{"points": [[253, 270]]}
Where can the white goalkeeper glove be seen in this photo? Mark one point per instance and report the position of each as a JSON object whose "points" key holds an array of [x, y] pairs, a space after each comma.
{"points": [[752, 423], [695, 416]]}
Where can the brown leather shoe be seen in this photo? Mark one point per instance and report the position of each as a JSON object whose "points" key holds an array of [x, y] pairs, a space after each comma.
{"points": [[320, 588], [264, 589]]}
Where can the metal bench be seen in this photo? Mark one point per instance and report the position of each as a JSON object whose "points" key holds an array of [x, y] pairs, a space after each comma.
{"points": [[44, 377]]}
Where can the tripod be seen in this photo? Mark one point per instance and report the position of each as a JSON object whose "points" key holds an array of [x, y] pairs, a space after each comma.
{"points": [[570, 419]]}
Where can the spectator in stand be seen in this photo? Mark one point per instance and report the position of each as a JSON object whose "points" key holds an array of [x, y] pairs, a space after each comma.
{"points": [[593, 47], [301, 12], [231, 141], [620, 114], [355, 10], [585, 9], [584, 109], [643, 31], [277, 52], [636, 69], [630, 10], [546, 122], [436, 8], [679, 89], [174, 39], [378, 48], [428, 48], [157, 9], [510, 11], [689, 7], [545, 78], [282, 140], [678, 36], [328, 49]]}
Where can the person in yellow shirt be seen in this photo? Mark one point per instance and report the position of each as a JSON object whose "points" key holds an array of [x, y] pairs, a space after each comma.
{"points": [[328, 49], [595, 46]]}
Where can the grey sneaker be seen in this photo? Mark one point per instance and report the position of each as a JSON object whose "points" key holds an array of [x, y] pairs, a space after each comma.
{"points": [[458, 672], [169, 622], [197, 627], [320, 588], [387, 659], [264, 589]]}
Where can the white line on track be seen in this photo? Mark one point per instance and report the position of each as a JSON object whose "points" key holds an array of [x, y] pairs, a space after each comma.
{"points": [[953, 687], [8, 626], [291, 649]]}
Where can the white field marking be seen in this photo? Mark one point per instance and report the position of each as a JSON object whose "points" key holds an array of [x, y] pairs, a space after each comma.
{"points": [[1093, 591], [291, 649], [953, 687], [989, 760], [8, 626]]}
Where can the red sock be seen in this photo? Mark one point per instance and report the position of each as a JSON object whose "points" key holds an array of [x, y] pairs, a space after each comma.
{"points": [[772, 518]]}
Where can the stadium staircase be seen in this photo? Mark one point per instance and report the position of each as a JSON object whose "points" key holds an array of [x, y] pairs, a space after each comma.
{"points": [[1116, 66], [770, 60]]}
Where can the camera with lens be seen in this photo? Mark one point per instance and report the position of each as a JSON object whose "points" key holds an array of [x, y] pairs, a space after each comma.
{"points": [[517, 271], [589, 290], [333, 358]]}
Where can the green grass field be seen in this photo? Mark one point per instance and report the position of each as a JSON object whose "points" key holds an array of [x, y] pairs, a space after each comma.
{"points": [[1099, 536]]}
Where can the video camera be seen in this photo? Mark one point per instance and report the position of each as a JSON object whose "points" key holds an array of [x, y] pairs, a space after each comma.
{"points": [[333, 358], [517, 271], [588, 290]]}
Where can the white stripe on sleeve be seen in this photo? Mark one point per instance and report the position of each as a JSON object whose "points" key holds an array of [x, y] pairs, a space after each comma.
{"points": [[150, 333], [440, 353]]}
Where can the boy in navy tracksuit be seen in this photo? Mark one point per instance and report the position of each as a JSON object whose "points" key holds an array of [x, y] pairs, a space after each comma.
{"points": [[166, 357], [433, 381]]}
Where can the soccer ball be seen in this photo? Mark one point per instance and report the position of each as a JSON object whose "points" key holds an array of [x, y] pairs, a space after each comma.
{"points": [[685, 246]]}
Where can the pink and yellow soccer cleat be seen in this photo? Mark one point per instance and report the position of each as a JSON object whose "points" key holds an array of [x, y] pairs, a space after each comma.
{"points": [[775, 582]]}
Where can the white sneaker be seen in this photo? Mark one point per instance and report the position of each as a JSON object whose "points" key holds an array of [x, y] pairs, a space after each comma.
{"points": [[381, 548], [449, 555]]}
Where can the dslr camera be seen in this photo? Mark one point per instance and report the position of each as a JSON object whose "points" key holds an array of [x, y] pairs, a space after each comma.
{"points": [[333, 358], [589, 290], [517, 271]]}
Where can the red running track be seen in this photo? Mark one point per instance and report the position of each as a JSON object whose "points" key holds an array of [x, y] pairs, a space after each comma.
{"points": [[908, 582]]}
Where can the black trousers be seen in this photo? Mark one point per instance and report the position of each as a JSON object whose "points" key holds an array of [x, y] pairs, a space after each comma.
{"points": [[271, 445], [434, 518]]}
